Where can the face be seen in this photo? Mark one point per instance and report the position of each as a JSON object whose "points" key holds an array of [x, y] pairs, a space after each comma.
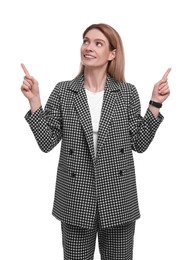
{"points": [[95, 50]]}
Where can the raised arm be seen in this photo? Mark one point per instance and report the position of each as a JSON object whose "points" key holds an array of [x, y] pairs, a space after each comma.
{"points": [[160, 92], [30, 90]]}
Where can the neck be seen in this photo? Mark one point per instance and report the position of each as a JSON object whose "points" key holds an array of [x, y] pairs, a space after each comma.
{"points": [[94, 80]]}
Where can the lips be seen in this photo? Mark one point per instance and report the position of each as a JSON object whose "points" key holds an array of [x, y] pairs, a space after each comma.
{"points": [[87, 56]]}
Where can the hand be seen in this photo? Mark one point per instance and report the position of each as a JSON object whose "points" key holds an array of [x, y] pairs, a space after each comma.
{"points": [[161, 89], [30, 89]]}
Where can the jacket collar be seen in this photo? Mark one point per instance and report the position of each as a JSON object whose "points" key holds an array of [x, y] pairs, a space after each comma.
{"points": [[81, 104]]}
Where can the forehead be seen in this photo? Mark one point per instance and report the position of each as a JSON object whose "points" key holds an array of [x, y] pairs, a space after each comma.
{"points": [[96, 34]]}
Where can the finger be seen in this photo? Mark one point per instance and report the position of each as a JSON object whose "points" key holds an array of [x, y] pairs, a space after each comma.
{"points": [[25, 70], [162, 84], [27, 83], [166, 74], [29, 80], [164, 90], [25, 88]]}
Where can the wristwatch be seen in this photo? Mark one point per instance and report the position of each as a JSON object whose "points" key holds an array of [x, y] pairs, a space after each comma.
{"points": [[155, 104]]}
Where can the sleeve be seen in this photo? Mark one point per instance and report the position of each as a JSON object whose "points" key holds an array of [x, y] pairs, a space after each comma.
{"points": [[46, 124], [142, 129]]}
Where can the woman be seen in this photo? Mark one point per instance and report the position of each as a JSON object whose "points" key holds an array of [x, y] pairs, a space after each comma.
{"points": [[97, 118]]}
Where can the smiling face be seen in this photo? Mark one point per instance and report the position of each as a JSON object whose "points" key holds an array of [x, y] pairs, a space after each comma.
{"points": [[95, 51]]}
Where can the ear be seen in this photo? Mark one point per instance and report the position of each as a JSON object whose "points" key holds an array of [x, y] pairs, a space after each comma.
{"points": [[112, 55]]}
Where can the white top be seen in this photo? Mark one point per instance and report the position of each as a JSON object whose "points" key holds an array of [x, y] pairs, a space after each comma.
{"points": [[95, 100]]}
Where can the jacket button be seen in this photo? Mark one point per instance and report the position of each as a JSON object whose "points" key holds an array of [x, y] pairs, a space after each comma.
{"points": [[122, 150], [71, 151], [73, 175], [120, 172]]}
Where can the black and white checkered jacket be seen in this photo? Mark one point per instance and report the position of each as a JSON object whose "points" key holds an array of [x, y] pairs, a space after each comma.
{"points": [[83, 181]]}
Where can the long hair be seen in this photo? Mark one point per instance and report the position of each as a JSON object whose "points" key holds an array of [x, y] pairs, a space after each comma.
{"points": [[116, 67]]}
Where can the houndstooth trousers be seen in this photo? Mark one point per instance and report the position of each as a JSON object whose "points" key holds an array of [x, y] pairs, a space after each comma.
{"points": [[115, 243]]}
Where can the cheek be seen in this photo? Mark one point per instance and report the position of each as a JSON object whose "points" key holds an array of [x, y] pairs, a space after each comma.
{"points": [[81, 52], [82, 48], [106, 56]]}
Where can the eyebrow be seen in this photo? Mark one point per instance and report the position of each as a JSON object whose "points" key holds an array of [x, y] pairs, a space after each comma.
{"points": [[100, 40]]}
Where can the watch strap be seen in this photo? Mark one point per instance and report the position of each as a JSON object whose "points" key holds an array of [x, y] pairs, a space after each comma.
{"points": [[155, 104]]}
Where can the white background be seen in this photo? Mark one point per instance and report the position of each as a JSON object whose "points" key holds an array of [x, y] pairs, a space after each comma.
{"points": [[46, 36]]}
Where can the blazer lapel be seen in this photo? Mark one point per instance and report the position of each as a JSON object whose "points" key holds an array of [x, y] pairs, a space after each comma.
{"points": [[111, 91], [82, 108]]}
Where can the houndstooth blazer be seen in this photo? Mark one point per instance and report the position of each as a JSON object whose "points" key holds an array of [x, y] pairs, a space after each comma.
{"points": [[83, 180]]}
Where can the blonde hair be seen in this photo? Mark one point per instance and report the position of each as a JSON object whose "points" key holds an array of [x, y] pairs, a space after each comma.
{"points": [[116, 67]]}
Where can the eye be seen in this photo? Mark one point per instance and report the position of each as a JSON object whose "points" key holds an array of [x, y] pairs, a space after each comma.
{"points": [[85, 41], [99, 44]]}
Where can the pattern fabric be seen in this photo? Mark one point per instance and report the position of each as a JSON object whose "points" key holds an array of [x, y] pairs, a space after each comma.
{"points": [[115, 243], [83, 179]]}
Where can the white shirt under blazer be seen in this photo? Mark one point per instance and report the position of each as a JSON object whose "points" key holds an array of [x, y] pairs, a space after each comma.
{"points": [[84, 180], [95, 100]]}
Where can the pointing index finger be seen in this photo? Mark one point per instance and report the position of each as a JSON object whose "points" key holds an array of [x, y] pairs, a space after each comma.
{"points": [[165, 76], [25, 70]]}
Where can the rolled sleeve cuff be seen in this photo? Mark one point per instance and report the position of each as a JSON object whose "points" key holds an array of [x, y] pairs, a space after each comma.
{"points": [[156, 121], [34, 117]]}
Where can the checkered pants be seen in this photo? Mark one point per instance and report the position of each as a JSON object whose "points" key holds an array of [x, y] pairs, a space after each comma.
{"points": [[115, 243]]}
